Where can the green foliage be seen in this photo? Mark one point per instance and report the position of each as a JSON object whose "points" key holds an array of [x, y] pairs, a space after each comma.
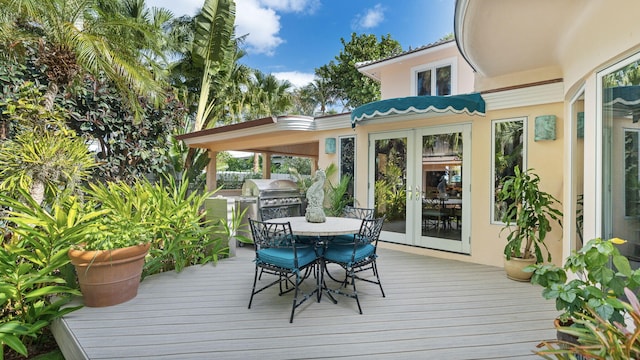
{"points": [[529, 210], [126, 150], [44, 156], [602, 275], [598, 338], [181, 236], [301, 165], [33, 259], [240, 164], [126, 215], [337, 196], [390, 196], [352, 86], [212, 42]]}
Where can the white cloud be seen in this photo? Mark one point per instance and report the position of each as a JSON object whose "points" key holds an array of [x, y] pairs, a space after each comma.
{"points": [[298, 79], [260, 20], [261, 24], [370, 19], [307, 6], [178, 8]]}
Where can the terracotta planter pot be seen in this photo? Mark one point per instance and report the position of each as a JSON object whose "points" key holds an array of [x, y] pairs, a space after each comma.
{"points": [[109, 277], [514, 266]]}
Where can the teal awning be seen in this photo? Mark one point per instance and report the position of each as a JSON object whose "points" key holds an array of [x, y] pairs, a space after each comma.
{"points": [[471, 104]]}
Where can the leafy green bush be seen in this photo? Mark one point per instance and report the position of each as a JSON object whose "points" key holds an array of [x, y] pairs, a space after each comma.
{"points": [[597, 338], [598, 285], [36, 280], [182, 236], [33, 263]]}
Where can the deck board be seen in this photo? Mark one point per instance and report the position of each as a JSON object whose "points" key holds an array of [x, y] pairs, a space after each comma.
{"points": [[434, 309]]}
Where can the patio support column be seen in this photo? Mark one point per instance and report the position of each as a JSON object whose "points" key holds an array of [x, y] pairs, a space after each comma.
{"points": [[266, 165], [212, 181]]}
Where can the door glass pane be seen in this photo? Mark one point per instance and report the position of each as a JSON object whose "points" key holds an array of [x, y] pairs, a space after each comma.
{"points": [[621, 112], [391, 182], [424, 83], [442, 185]]}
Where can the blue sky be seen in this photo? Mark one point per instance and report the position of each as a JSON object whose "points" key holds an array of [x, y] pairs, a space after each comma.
{"points": [[290, 38]]}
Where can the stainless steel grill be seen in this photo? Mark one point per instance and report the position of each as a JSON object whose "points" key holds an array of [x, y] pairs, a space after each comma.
{"points": [[274, 193]]}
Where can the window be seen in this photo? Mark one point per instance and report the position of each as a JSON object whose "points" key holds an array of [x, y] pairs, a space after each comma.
{"points": [[619, 102], [508, 149], [436, 79]]}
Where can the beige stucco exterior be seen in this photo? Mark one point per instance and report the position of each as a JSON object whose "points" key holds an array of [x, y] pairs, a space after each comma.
{"points": [[535, 64]]}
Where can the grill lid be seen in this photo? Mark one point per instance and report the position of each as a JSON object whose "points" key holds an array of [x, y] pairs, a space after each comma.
{"points": [[269, 187]]}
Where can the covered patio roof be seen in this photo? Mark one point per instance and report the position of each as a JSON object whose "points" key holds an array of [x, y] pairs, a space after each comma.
{"points": [[257, 135]]}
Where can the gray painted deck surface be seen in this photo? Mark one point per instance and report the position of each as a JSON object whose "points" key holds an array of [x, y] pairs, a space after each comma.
{"points": [[434, 309]]}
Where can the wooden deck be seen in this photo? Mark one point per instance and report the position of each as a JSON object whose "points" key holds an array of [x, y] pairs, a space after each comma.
{"points": [[434, 309]]}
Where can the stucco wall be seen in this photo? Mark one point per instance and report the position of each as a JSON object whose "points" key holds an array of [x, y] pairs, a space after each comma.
{"points": [[397, 76]]}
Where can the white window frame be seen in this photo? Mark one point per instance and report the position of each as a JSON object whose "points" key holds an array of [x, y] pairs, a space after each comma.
{"points": [[433, 66]]}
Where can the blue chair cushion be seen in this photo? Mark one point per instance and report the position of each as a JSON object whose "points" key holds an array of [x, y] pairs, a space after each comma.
{"points": [[342, 253], [284, 258]]}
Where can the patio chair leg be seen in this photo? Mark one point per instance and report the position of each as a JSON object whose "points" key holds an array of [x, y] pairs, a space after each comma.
{"points": [[253, 290], [355, 292], [375, 271]]}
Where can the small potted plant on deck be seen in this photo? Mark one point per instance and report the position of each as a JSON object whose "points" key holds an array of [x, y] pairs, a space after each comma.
{"points": [[528, 216], [601, 275], [110, 258]]}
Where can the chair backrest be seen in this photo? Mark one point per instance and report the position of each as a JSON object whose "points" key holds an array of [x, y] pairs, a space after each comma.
{"points": [[271, 235], [369, 231], [357, 213], [275, 212]]}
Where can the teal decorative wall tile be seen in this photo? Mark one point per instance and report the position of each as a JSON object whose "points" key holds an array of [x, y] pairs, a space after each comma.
{"points": [[545, 127], [330, 145]]}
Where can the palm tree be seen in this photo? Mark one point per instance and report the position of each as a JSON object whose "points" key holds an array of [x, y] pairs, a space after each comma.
{"points": [[86, 37], [318, 93], [268, 95], [212, 42]]}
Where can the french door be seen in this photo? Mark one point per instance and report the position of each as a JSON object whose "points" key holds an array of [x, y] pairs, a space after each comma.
{"points": [[419, 179]]}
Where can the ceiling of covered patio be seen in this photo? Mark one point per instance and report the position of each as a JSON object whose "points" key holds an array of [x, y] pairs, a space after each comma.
{"points": [[286, 135]]}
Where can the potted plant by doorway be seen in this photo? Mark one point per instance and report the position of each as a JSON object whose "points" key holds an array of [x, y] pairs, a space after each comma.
{"points": [[110, 259], [528, 217], [592, 281]]}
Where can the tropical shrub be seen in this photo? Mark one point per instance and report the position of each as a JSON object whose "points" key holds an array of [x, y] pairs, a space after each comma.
{"points": [[602, 274], [181, 234], [337, 196], [33, 266], [598, 338]]}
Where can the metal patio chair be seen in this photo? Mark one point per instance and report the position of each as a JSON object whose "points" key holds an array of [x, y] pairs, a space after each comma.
{"points": [[278, 253], [357, 256]]}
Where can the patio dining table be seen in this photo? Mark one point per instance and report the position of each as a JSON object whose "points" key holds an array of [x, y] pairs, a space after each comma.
{"points": [[323, 232]]}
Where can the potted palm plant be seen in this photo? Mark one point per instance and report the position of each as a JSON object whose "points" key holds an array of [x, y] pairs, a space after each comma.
{"points": [[110, 259], [528, 217]]}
